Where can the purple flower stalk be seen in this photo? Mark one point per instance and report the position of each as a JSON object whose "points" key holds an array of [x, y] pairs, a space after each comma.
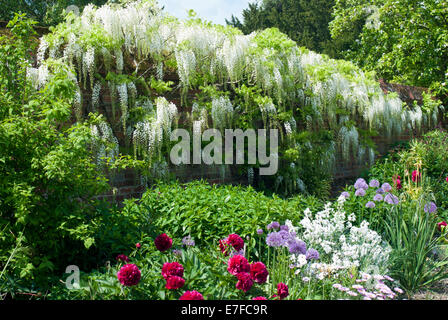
{"points": [[188, 241]]}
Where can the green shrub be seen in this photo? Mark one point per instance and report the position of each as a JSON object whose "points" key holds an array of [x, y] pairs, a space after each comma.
{"points": [[208, 213], [47, 169]]}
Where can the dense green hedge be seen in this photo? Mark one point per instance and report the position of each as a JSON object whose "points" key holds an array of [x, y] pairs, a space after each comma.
{"points": [[209, 212]]}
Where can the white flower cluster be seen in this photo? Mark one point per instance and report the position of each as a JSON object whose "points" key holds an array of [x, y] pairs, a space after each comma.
{"points": [[341, 244], [149, 135], [104, 144], [222, 113]]}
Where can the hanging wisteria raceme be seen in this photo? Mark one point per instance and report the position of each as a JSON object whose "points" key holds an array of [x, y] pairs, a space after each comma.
{"points": [[149, 135], [222, 113], [104, 143]]}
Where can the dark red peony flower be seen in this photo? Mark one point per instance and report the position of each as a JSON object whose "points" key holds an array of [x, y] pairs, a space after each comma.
{"points": [[123, 258], [172, 269], [174, 282], [129, 275], [259, 298], [191, 295], [282, 290], [245, 282], [235, 241], [238, 264], [258, 272], [163, 242]]}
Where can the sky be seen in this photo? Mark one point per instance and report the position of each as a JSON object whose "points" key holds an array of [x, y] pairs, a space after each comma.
{"points": [[213, 10]]}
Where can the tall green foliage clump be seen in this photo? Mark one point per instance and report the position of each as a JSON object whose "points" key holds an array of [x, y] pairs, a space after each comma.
{"points": [[47, 166], [405, 41]]}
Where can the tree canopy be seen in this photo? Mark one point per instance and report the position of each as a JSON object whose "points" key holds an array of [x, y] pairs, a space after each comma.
{"points": [[304, 21]]}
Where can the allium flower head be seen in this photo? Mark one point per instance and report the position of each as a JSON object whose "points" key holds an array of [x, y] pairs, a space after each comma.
{"points": [[237, 264], [129, 275], [273, 225], [370, 204], [163, 242], [312, 254], [345, 194], [274, 239], [380, 191], [361, 184], [174, 282], [430, 207], [297, 246], [360, 193], [386, 187], [284, 228], [374, 183], [245, 281], [191, 295], [391, 199], [188, 241], [378, 197], [260, 231]]}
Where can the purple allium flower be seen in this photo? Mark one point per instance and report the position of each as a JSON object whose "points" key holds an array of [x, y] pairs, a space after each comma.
{"points": [[391, 199], [370, 204], [379, 191], [177, 252], [273, 225], [345, 194], [188, 241], [430, 207], [386, 187], [297, 246], [284, 235], [374, 183], [361, 184], [378, 197], [260, 231], [274, 239], [312, 254], [360, 193], [284, 228]]}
